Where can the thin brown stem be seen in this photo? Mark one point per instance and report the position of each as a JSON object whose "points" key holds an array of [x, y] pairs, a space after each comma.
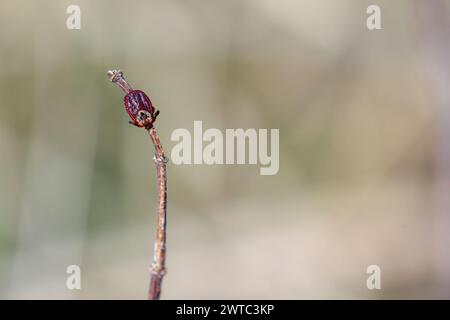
{"points": [[135, 111], [159, 258]]}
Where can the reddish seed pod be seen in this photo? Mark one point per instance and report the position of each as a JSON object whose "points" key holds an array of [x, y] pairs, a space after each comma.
{"points": [[137, 103]]}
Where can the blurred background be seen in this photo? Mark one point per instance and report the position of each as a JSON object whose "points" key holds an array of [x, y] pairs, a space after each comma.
{"points": [[364, 119]]}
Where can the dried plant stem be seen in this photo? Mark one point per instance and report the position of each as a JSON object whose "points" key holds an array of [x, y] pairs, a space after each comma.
{"points": [[143, 115], [158, 266]]}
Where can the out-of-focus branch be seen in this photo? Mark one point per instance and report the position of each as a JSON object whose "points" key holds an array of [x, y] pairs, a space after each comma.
{"points": [[434, 22]]}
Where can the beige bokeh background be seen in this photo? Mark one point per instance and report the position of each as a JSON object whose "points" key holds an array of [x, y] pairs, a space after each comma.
{"points": [[364, 159]]}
